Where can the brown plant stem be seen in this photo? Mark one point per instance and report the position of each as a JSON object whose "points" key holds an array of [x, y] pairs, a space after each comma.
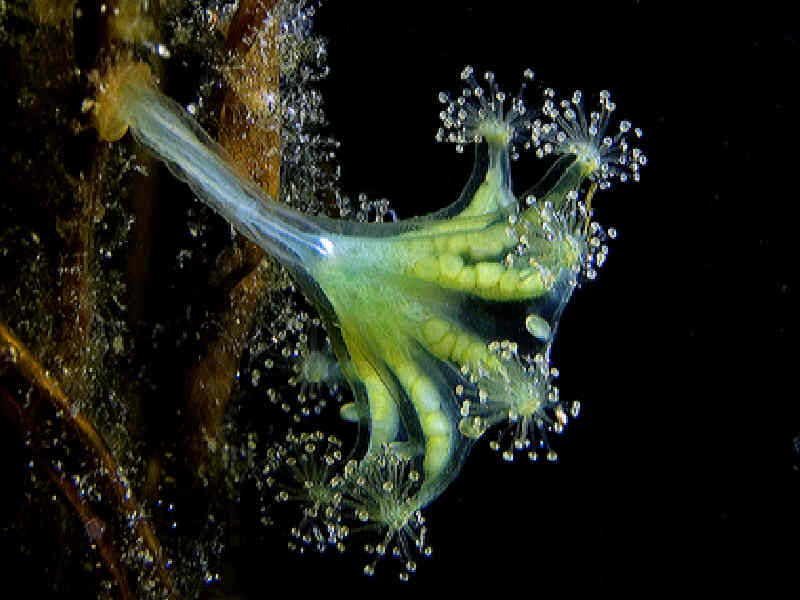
{"points": [[210, 382], [74, 305], [249, 14]]}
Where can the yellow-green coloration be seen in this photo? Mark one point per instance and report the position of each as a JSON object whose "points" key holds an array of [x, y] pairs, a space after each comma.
{"points": [[442, 325], [425, 289]]}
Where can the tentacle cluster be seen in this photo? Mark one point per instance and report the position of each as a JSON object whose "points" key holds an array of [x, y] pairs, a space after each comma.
{"points": [[382, 491], [374, 499], [294, 364], [479, 114], [519, 391], [567, 130], [305, 470]]}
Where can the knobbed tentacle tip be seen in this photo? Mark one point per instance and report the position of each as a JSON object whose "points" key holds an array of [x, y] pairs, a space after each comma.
{"points": [[568, 129], [482, 113]]}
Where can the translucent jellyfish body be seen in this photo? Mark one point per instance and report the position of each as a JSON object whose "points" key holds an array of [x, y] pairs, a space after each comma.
{"points": [[441, 325]]}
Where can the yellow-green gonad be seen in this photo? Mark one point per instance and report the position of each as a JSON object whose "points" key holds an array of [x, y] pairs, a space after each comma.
{"points": [[443, 324]]}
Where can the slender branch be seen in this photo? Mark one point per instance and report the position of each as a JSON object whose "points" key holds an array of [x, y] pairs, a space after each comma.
{"points": [[74, 306], [29, 368], [94, 529], [210, 382]]}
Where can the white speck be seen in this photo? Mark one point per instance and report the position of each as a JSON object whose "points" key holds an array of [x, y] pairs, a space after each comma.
{"points": [[327, 246]]}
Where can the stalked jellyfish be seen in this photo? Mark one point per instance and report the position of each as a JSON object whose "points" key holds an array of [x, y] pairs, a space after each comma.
{"points": [[441, 325]]}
